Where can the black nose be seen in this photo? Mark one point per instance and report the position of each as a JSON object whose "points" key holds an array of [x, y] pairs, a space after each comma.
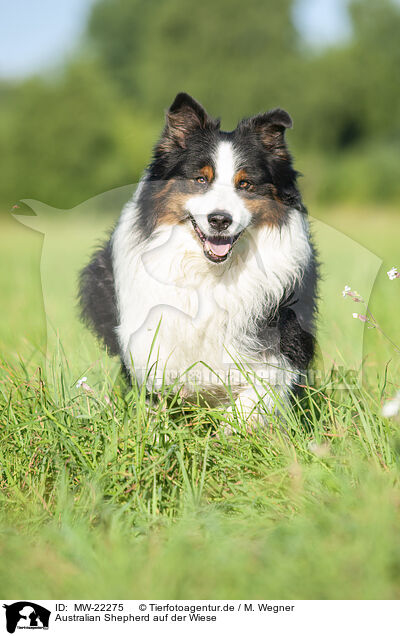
{"points": [[219, 220]]}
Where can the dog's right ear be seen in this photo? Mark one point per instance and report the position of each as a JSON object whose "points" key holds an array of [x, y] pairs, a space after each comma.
{"points": [[184, 116]]}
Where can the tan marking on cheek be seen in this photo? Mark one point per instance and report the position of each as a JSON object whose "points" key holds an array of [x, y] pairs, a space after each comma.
{"points": [[208, 173], [241, 175], [161, 194], [267, 211], [171, 207]]}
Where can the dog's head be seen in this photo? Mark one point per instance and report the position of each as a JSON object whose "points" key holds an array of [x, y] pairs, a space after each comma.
{"points": [[215, 183]]}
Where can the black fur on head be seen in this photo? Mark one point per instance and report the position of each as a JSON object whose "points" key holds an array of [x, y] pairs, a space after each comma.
{"points": [[184, 117], [188, 143], [188, 129], [261, 142]]}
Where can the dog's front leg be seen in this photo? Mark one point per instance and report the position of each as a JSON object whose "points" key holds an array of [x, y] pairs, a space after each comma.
{"points": [[251, 408], [260, 399]]}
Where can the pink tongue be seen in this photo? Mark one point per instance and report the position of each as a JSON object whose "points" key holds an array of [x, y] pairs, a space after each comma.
{"points": [[219, 249]]}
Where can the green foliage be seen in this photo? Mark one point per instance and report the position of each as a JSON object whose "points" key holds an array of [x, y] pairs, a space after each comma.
{"points": [[65, 138], [351, 94], [309, 509], [229, 55], [361, 175], [242, 61], [68, 138]]}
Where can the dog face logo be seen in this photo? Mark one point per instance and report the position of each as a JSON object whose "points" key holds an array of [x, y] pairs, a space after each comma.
{"points": [[26, 615]]}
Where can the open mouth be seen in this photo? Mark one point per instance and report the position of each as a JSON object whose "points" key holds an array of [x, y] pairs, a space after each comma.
{"points": [[216, 248]]}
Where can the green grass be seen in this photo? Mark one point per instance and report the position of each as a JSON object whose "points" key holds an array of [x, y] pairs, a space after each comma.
{"points": [[105, 497]]}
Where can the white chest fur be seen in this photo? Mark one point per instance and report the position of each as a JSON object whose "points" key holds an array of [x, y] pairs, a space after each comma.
{"points": [[177, 309]]}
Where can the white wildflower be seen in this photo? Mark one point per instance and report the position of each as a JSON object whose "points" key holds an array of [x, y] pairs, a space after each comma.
{"points": [[320, 450], [354, 295], [393, 273], [391, 407]]}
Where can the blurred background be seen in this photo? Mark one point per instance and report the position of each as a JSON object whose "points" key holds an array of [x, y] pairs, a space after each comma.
{"points": [[84, 83]]}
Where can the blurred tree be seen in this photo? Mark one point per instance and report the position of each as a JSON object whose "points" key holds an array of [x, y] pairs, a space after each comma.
{"points": [[376, 48], [351, 93], [66, 140], [236, 58]]}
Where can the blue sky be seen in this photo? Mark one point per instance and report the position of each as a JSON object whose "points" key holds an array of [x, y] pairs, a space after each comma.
{"points": [[39, 34], [36, 34]]}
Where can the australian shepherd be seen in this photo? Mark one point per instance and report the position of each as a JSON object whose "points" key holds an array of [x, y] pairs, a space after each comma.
{"points": [[209, 277]]}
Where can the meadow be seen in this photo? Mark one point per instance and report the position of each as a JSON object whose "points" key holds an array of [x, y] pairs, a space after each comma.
{"points": [[103, 496]]}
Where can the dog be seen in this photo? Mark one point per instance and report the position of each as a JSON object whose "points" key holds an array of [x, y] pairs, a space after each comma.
{"points": [[209, 278]]}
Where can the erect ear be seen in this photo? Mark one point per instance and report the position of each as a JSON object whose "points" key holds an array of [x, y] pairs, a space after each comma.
{"points": [[184, 116], [271, 127]]}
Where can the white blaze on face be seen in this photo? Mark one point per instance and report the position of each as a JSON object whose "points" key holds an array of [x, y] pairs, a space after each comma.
{"points": [[221, 195], [225, 164]]}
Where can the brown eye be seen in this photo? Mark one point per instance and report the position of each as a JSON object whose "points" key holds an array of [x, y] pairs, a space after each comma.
{"points": [[244, 185], [201, 179]]}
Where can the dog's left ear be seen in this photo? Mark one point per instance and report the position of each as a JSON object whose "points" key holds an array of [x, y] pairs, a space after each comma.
{"points": [[271, 127], [184, 116]]}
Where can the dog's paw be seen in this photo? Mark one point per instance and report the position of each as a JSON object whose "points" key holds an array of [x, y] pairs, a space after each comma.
{"points": [[246, 415], [253, 410]]}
